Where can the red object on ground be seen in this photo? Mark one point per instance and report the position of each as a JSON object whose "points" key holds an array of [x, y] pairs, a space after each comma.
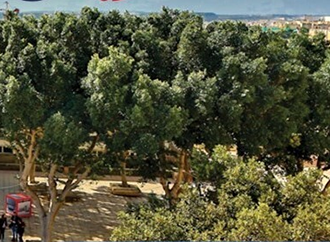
{"points": [[19, 203]]}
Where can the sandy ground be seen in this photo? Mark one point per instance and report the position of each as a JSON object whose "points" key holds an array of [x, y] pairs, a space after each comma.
{"points": [[92, 217]]}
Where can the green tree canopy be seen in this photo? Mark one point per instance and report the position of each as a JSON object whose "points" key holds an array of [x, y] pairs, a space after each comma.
{"points": [[250, 207]]}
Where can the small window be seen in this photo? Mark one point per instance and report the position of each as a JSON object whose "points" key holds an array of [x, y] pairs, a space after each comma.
{"points": [[7, 150]]}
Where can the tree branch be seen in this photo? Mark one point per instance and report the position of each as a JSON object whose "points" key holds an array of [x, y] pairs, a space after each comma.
{"points": [[91, 148], [164, 184], [20, 148], [68, 187], [24, 185], [32, 145], [52, 186], [35, 155], [177, 184], [81, 176]]}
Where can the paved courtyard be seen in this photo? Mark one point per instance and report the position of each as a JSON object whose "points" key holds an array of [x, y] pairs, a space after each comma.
{"points": [[90, 219]]}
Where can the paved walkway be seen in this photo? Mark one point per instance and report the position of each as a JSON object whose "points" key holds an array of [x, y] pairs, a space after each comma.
{"points": [[90, 219]]}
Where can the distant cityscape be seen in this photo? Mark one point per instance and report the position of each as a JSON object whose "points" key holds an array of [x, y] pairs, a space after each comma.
{"points": [[313, 23], [275, 22]]}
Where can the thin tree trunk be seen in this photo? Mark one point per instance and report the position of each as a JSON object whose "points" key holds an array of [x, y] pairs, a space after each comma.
{"points": [[162, 173], [29, 159], [175, 190], [326, 187], [300, 164], [47, 222], [183, 175], [188, 178], [45, 229], [124, 182], [32, 175], [56, 201], [123, 157], [165, 186]]}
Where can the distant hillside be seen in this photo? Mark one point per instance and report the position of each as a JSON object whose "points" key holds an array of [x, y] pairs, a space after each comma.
{"points": [[243, 17], [207, 16], [37, 14]]}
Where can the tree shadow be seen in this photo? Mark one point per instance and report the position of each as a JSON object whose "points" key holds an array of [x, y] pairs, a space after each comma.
{"points": [[91, 218]]}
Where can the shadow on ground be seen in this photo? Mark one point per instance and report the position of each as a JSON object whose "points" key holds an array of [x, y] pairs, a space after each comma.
{"points": [[91, 218]]}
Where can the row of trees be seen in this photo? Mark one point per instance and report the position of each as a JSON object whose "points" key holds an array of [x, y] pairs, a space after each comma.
{"points": [[250, 205], [155, 86]]}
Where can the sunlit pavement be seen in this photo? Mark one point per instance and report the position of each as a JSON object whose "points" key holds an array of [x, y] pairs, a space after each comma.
{"points": [[90, 219]]}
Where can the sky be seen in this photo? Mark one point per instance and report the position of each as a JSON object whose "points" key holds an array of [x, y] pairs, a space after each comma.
{"points": [[319, 7]]}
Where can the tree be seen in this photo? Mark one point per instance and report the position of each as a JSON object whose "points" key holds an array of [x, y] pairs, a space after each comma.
{"points": [[261, 223], [307, 140], [182, 223], [108, 84], [200, 125], [311, 222], [314, 133], [153, 88], [43, 116], [193, 52], [154, 120], [136, 114], [267, 93], [260, 103], [310, 51]]}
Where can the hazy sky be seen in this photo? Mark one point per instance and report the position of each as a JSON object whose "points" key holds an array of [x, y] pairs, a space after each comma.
{"points": [[216, 6]]}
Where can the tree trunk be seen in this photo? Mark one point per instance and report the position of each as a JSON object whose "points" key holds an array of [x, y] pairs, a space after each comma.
{"points": [[188, 178], [300, 165], [47, 212], [162, 172], [46, 230], [48, 209], [32, 174], [325, 189], [123, 174], [179, 178], [66, 170], [47, 223], [165, 185]]}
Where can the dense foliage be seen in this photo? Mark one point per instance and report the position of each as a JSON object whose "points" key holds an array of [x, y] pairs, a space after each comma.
{"points": [[250, 205], [150, 88]]}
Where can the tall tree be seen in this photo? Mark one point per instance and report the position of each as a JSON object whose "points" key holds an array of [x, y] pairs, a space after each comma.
{"points": [[154, 120], [108, 85], [43, 116]]}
